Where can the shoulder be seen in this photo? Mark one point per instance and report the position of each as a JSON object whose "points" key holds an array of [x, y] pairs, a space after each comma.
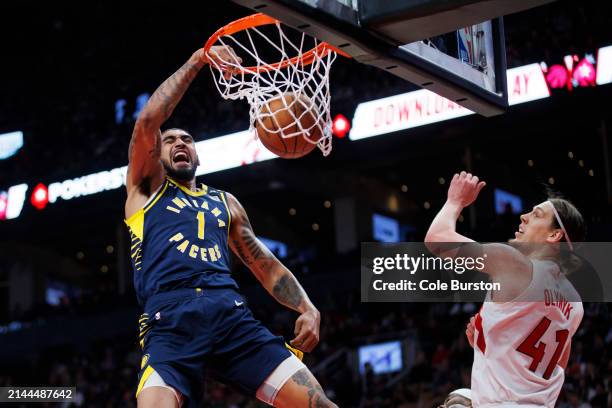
{"points": [[215, 192], [503, 258], [237, 211], [570, 291], [501, 249], [232, 201]]}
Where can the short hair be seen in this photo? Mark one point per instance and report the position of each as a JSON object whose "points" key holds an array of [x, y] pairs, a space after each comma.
{"points": [[179, 129]]}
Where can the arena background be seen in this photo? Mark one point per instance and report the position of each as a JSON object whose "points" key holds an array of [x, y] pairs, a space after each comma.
{"points": [[73, 77]]}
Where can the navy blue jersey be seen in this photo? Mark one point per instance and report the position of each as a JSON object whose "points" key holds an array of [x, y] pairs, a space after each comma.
{"points": [[179, 240]]}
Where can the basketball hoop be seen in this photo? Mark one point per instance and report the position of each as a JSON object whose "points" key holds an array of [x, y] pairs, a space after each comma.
{"points": [[273, 66]]}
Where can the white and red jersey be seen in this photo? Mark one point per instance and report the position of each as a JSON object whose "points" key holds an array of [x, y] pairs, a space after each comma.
{"points": [[518, 345]]}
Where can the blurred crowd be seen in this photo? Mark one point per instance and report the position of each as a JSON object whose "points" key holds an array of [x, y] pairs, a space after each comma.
{"points": [[438, 359]]}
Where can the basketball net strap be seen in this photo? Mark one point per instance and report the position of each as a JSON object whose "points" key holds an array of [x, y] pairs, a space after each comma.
{"points": [[264, 81]]}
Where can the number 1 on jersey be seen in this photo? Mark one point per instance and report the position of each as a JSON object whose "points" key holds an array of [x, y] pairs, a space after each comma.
{"points": [[200, 218]]}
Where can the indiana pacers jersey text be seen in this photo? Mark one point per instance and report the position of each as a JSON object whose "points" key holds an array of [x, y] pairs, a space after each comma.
{"points": [[179, 240]]}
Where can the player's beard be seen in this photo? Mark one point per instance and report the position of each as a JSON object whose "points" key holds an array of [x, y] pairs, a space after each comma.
{"points": [[183, 174]]}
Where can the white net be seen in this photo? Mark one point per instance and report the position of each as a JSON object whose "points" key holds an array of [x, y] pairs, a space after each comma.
{"points": [[294, 71]]}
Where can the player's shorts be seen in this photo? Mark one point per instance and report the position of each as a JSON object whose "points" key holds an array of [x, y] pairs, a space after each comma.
{"points": [[187, 332]]}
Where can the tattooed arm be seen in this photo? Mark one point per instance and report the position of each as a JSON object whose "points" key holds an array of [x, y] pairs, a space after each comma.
{"points": [[274, 276], [145, 171]]}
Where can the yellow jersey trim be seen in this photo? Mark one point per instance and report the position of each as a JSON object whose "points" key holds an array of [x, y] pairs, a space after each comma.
{"points": [[187, 191], [136, 225], [144, 361], [157, 197], [298, 353], [136, 221], [229, 214], [145, 376]]}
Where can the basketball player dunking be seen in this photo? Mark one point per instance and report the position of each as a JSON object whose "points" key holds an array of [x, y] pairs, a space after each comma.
{"points": [[194, 319], [522, 334]]}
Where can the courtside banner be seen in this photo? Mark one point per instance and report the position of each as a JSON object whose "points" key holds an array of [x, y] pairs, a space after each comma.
{"points": [[466, 272]]}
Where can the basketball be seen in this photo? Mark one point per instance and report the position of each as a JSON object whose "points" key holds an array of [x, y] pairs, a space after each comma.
{"points": [[280, 116]]}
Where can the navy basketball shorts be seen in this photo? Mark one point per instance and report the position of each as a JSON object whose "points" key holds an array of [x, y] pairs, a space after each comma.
{"points": [[187, 332]]}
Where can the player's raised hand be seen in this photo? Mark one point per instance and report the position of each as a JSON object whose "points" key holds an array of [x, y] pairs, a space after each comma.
{"points": [[223, 57], [306, 331], [469, 331], [464, 189]]}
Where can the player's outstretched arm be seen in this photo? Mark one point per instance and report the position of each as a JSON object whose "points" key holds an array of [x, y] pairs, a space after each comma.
{"points": [[462, 192], [274, 276], [144, 168]]}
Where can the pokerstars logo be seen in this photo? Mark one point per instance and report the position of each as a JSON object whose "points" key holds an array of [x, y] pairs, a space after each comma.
{"points": [[87, 185]]}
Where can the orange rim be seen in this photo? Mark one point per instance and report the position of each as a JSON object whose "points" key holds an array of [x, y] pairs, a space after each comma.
{"points": [[260, 19]]}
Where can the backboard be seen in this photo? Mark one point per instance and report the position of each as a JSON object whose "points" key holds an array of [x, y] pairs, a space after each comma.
{"points": [[454, 48]]}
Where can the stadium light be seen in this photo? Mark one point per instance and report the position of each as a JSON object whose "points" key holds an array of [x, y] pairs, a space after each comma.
{"points": [[10, 143], [40, 196], [340, 126]]}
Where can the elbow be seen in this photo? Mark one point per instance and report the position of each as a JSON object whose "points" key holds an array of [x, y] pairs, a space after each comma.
{"points": [[145, 131], [433, 240], [145, 120], [149, 119], [433, 236], [440, 233]]}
